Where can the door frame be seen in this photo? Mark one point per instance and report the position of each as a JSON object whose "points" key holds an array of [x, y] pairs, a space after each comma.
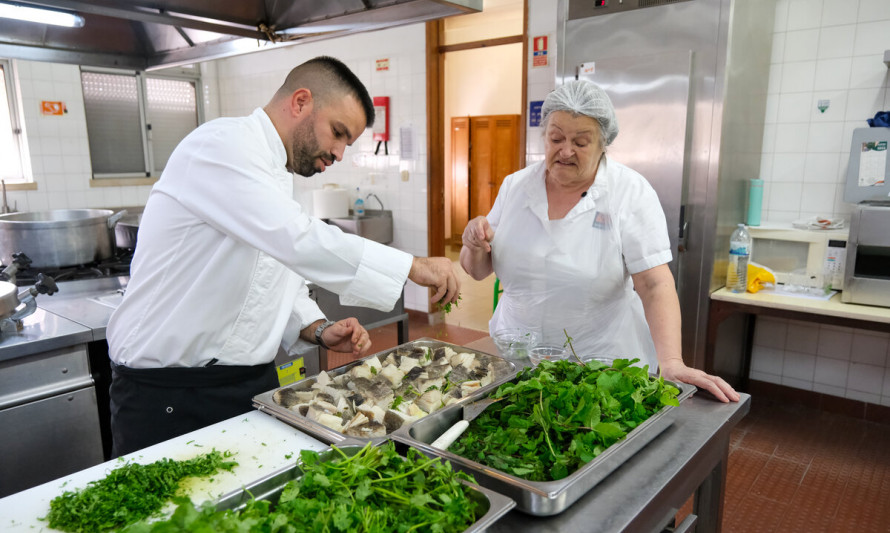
{"points": [[436, 127]]}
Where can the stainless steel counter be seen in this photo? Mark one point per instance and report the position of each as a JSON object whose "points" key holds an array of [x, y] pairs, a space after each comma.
{"points": [[88, 302], [42, 332]]}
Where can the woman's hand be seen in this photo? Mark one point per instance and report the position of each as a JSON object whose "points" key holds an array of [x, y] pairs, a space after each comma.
{"points": [[478, 234], [347, 336], [676, 370], [475, 255]]}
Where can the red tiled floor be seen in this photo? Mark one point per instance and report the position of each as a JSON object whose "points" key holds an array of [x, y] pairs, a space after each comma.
{"points": [[799, 469], [744, 467]]}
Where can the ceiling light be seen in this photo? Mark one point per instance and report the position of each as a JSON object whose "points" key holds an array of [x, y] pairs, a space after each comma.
{"points": [[41, 15]]}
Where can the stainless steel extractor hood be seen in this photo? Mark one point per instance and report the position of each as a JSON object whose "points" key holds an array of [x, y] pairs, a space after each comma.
{"points": [[151, 34]]}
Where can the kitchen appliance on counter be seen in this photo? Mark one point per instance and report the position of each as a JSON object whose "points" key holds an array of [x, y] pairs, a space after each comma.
{"points": [[867, 273], [792, 253]]}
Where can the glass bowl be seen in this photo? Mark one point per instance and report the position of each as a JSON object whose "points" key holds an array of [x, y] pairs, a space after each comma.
{"points": [[547, 352], [515, 343], [605, 359]]}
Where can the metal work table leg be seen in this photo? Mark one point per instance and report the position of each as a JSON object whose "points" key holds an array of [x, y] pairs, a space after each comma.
{"points": [[708, 501], [403, 329]]}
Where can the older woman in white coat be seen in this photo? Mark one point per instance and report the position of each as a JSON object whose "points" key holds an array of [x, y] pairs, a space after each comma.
{"points": [[579, 242]]}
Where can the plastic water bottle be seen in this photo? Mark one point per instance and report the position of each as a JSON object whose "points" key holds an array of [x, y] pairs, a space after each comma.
{"points": [[358, 208], [739, 251]]}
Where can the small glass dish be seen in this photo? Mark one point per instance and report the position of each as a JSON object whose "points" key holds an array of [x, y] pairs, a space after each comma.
{"points": [[515, 343], [604, 359], [547, 352]]}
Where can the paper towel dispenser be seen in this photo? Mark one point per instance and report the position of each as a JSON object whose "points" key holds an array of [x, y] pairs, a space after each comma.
{"points": [[331, 201]]}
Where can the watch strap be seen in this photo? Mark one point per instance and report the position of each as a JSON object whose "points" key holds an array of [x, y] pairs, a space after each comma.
{"points": [[319, 330]]}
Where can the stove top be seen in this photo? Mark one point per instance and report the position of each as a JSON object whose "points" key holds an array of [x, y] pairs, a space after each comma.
{"points": [[115, 266]]}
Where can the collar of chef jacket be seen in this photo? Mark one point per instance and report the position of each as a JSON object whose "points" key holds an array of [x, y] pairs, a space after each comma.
{"points": [[535, 191], [271, 134]]}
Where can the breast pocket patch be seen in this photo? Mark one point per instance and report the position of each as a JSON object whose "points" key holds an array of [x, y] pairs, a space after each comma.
{"points": [[602, 220]]}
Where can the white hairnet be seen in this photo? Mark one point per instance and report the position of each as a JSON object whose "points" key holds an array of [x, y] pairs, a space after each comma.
{"points": [[583, 97]]}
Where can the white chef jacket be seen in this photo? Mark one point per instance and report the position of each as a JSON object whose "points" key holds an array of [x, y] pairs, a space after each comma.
{"points": [[574, 273], [224, 253]]}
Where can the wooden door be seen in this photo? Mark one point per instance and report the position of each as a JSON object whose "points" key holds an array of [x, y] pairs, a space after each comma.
{"points": [[480, 165], [481, 171], [460, 175], [505, 155]]}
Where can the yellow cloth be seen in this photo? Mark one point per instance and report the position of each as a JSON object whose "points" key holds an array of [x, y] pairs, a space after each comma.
{"points": [[759, 276]]}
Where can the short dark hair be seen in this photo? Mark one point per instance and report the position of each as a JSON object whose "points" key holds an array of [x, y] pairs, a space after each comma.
{"points": [[326, 77]]}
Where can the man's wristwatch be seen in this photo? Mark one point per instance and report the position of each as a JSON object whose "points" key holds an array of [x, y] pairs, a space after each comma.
{"points": [[319, 330]]}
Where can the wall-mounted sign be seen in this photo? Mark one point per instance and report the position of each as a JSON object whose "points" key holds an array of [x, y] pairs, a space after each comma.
{"points": [[539, 51], [383, 64], [52, 108], [586, 70], [534, 113]]}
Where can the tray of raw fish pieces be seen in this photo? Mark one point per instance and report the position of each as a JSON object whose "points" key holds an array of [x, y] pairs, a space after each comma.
{"points": [[371, 398]]}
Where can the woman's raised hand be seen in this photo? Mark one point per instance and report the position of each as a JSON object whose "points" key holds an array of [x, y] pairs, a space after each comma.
{"points": [[478, 234]]}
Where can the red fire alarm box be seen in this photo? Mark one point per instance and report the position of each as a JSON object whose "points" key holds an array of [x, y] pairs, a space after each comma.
{"points": [[381, 122]]}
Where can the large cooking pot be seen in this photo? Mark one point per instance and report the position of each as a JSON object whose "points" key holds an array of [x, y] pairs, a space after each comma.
{"points": [[125, 231], [58, 238]]}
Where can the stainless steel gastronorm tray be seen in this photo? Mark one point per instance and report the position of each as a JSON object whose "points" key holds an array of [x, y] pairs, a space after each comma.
{"points": [[541, 498], [494, 505], [265, 403]]}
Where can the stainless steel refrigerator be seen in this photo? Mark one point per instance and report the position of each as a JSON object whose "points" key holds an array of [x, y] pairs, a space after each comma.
{"points": [[689, 81]]}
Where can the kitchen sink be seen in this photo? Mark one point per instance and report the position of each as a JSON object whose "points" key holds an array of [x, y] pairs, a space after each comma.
{"points": [[375, 224]]}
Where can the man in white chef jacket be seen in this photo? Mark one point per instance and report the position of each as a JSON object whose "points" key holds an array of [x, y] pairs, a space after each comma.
{"points": [[218, 280]]}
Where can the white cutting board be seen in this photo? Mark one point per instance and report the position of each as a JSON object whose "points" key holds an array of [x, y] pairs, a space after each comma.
{"points": [[260, 444]]}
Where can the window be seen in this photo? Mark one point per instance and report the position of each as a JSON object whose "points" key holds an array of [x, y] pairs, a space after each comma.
{"points": [[135, 120], [10, 131]]}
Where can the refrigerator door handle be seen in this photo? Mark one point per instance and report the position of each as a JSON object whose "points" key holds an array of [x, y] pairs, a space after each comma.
{"points": [[683, 230]]}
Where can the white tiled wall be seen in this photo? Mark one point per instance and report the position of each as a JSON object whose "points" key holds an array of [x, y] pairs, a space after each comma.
{"points": [[838, 361], [248, 81], [59, 152], [542, 20], [822, 50]]}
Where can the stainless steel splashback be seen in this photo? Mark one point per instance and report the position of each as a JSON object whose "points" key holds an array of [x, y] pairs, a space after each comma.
{"points": [[697, 147]]}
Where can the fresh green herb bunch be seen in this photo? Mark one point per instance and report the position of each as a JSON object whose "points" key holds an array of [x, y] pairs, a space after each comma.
{"points": [[560, 415], [374, 490], [448, 306], [129, 493]]}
